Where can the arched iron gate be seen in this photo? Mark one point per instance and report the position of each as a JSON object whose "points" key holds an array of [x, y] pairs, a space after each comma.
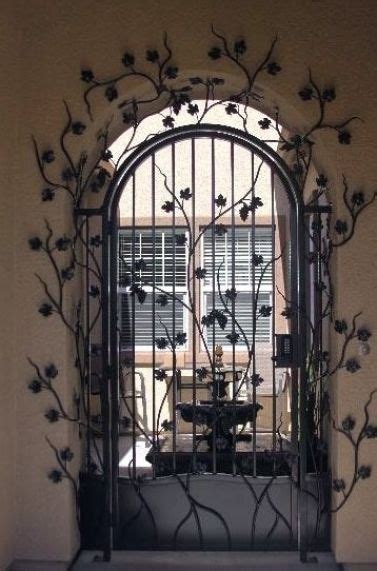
{"points": [[197, 268]]}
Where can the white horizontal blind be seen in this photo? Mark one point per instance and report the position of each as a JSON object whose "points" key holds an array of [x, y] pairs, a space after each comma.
{"points": [[143, 320], [244, 316], [162, 245], [243, 255], [243, 281], [163, 248]]}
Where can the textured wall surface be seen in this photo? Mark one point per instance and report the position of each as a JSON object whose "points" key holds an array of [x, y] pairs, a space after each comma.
{"points": [[44, 43]]}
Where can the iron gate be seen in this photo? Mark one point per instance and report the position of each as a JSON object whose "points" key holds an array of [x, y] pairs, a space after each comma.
{"points": [[203, 418]]}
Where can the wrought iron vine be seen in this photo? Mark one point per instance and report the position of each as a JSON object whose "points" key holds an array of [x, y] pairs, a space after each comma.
{"points": [[89, 171]]}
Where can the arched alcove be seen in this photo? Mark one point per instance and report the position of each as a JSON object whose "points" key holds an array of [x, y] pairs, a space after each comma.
{"points": [[159, 340]]}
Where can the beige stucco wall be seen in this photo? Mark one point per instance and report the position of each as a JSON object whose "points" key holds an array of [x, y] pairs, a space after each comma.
{"points": [[43, 45]]}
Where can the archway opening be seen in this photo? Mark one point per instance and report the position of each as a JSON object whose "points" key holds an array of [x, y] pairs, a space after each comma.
{"points": [[207, 336]]}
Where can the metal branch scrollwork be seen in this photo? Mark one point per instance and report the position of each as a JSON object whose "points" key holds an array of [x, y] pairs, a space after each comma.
{"points": [[75, 259]]}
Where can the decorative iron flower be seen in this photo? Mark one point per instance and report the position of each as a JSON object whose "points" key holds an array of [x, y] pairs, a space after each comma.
{"points": [[62, 244], [106, 155], [181, 338], [287, 313], [220, 200], [47, 195], [321, 181], [35, 243], [35, 386], [140, 293], [94, 291], [129, 118], [363, 334], [231, 109], [201, 373], [200, 273], [48, 156], [66, 454], [344, 137], [338, 485], [171, 72], [95, 241], [162, 299], [306, 93], [364, 472], [55, 476], [87, 75], [167, 425], [348, 423], [128, 59], [240, 47], [265, 310], [341, 227], [329, 95], [370, 431], [180, 239], [257, 259], [160, 374], [179, 101], [265, 123], [68, 273], [231, 293], [168, 206], [78, 128], [161, 343], [193, 109], [220, 229], [215, 53], [273, 68], [168, 122], [51, 371], [208, 320], [111, 93], [256, 380], [52, 415], [152, 56], [244, 212], [221, 318], [233, 338], [255, 202], [340, 326], [185, 194], [45, 309], [358, 198], [352, 365]]}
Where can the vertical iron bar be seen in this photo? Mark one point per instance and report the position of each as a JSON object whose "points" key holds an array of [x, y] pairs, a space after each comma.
{"points": [[234, 427], [193, 262], [254, 308], [213, 214], [105, 396], [88, 367], [174, 318], [302, 332], [133, 328], [273, 317], [114, 372], [318, 324], [153, 178]]}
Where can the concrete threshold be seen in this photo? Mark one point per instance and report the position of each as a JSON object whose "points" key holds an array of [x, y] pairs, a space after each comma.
{"points": [[206, 561]]}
